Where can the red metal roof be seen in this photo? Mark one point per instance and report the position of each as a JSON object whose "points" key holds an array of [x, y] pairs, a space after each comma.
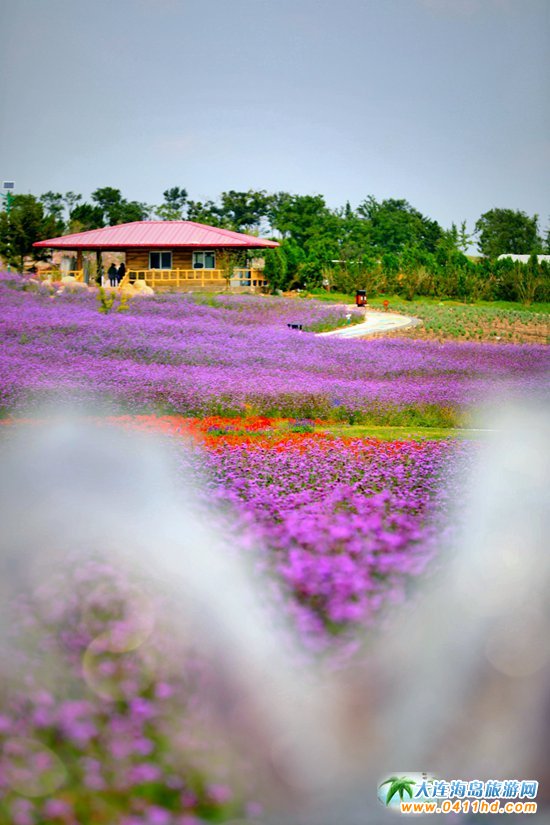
{"points": [[156, 234]]}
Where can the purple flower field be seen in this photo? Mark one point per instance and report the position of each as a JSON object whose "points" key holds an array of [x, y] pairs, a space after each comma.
{"points": [[115, 732], [106, 715], [224, 355], [345, 526], [101, 712]]}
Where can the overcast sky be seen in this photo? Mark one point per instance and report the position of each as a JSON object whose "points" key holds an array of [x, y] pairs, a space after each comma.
{"points": [[442, 102]]}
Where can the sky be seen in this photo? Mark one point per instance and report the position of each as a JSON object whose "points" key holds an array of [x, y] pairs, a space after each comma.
{"points": [[442, 102]]}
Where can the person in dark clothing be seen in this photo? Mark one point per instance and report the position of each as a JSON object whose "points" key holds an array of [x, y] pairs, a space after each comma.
{"points": [[121, 272], [112, 273]]}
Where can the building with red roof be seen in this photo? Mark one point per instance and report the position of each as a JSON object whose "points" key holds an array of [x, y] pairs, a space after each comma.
{"points": [[169, 254]]}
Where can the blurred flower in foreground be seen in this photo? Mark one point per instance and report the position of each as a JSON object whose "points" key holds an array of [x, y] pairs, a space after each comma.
{"points": [[147, 677]]}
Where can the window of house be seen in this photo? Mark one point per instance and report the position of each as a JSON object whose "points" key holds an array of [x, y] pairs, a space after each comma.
{"points": [[160, 260], [204, 260]]}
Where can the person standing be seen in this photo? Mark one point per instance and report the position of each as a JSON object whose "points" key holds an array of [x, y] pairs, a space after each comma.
{"points": [[121, 272], [112, 273]]}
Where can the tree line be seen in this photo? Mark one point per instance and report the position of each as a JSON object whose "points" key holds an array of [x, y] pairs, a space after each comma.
{"points": [[382, 246]]}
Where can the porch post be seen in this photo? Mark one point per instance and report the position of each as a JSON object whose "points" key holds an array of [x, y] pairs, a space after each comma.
{"points": [[99, 267], [86, 267]]}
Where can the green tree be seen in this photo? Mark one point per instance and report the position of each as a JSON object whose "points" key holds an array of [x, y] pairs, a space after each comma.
{"points": [[323, 249], [464, 237], [205, 212], [131, 211], [227, 260], [276, 268], [354, 236], [25, 224], [528, 279], [333, 242], [109, 200], [70, 200], [504, 231], [395, 224], [276, 202], [173, 207], [295, 260], [299, 217], [115, 209], [53, 206], [244, 211], [450, 239], [53, 223], [416, 276], [390, 268], [84, 216]]}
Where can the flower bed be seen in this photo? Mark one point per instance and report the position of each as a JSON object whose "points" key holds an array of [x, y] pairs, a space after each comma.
{"points": [[174, 354], [102, 718], [345, 525], [341, 528]]}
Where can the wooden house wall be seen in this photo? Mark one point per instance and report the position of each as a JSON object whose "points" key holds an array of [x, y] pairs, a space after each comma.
{"points": [[181, 258]]}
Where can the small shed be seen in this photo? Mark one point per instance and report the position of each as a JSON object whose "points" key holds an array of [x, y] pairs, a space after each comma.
{"points": [[168, 255]]}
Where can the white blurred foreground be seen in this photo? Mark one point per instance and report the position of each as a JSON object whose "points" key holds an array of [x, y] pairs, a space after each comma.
{"points": [[458, 686]]}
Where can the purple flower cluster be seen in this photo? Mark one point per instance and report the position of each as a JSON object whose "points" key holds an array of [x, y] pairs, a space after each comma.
{"points": [[96, 730], [111, 731], [224, 355], [104, 715], [345, 525]]}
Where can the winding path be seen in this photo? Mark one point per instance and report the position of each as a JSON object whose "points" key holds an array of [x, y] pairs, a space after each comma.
{"points": [[374, 322]]}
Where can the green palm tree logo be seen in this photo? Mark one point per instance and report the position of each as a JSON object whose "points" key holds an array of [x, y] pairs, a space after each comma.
{"points": [[398, 785]]}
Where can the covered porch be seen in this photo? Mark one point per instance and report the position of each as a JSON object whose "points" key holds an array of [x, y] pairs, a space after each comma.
{"points": [[166, 255], [185, 280], [189, 279]]}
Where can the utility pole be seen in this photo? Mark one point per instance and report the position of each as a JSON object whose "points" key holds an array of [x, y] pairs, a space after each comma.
{"points": [[7, 188]]}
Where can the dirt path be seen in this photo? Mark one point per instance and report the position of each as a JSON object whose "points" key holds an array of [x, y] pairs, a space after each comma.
{"points": [[375, 322]]}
